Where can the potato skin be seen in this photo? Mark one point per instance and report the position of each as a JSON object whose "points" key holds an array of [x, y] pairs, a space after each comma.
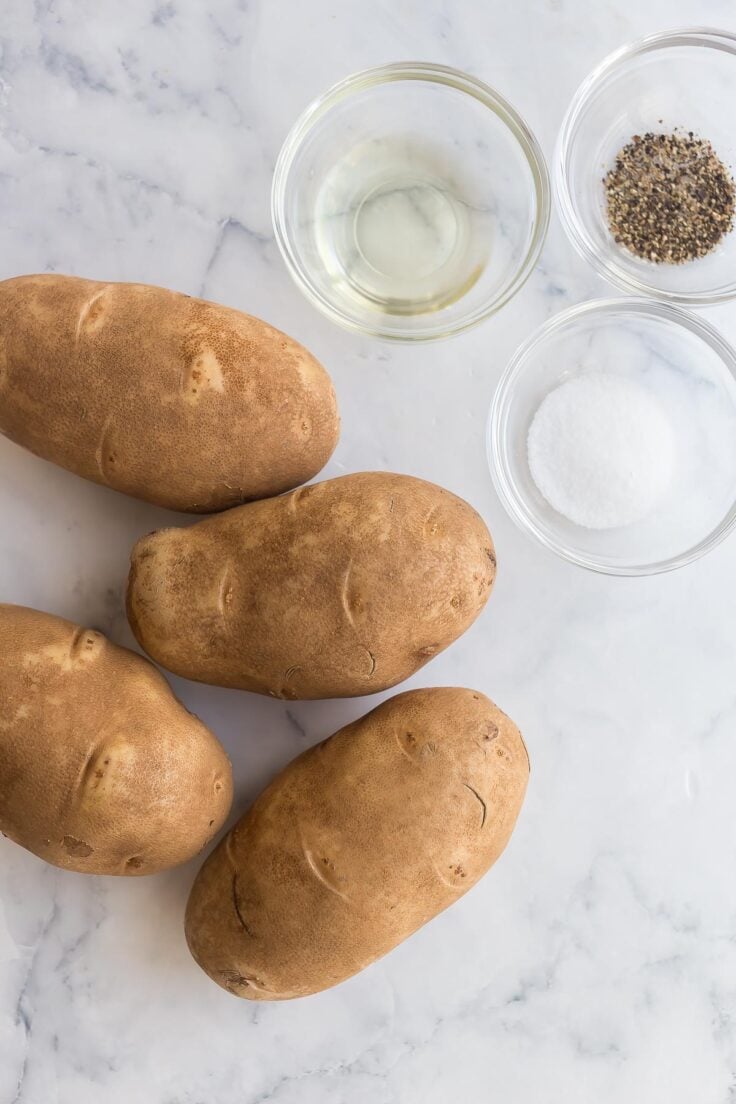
{"points": [[102, 770], [342, 588], [357, 843], [171, 399]]}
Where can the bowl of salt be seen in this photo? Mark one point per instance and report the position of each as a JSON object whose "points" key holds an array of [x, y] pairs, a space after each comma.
{"points": [[612, 436]]}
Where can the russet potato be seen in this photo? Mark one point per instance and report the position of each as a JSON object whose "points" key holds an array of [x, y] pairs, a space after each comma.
{"points": [[169, 398], [341, 588], [102, 770], [357, 843]]}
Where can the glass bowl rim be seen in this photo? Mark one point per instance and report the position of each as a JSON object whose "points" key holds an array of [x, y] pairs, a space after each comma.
{"points": [[515, 504], [430, 73], [586, 247]]}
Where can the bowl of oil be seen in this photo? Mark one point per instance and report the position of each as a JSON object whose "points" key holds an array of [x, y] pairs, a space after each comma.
{"points": [[410, 202]]}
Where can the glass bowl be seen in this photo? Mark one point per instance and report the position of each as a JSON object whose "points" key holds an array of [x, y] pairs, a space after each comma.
{"points": [[410, 202], [678, 79], [688, 368]]}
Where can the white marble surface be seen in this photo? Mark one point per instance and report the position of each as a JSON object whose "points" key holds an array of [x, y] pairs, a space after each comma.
{"points": [[597, 962]]}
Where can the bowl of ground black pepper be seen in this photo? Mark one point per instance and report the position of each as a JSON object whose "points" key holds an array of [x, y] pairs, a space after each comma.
{"points": [[645, 167]]}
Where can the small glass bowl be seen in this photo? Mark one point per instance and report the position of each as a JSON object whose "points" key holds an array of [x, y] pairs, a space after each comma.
{"points": [[689, 368], [410, 202], [677, 79]]}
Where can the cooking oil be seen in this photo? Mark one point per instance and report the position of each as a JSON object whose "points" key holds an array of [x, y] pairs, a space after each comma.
{"points": [[397, 229]]}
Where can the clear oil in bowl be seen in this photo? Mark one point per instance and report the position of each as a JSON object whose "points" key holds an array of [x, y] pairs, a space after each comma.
{"points": [[398, 229]]}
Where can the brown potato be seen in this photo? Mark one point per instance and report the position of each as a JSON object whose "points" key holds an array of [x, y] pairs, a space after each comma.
{"points": [[102, 770], [358, 843], [342, 588], [175, 400]]}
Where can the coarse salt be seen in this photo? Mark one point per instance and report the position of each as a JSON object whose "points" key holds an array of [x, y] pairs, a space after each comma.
{"points": [[601, 450]]}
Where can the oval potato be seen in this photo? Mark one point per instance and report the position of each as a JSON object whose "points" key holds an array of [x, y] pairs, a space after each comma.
{"points": [[358, 843], [171, 399], [102, 770], [338, 589]]}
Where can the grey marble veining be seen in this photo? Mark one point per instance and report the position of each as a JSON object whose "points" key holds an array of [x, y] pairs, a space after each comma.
{"points": [[597, 962]]}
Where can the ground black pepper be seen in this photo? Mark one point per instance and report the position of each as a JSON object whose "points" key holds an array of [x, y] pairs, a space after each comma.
{"points": [[669, 197]]}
